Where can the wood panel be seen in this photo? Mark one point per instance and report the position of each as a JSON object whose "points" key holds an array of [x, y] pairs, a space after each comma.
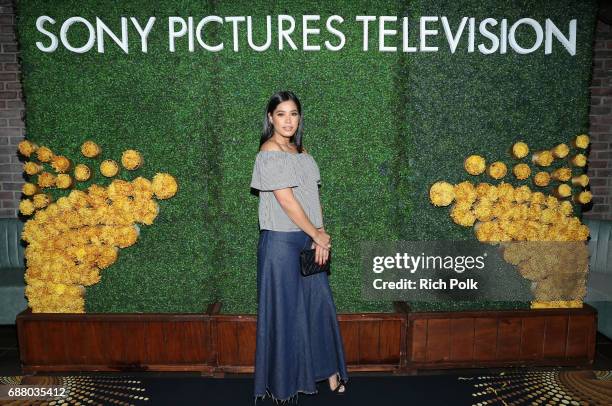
{"points": [[501, 338], [462, 339], [485, 339]]}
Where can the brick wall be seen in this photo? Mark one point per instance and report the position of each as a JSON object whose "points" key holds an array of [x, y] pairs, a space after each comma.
{"points": [[600, 157], [12, 127]]}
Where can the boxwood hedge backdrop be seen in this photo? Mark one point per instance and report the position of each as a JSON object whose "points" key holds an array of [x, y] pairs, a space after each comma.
{"points": [[383, 126]]}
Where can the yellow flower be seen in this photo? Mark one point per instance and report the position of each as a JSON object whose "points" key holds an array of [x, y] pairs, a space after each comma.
{"points": [[522, 194], [538, 198], [60, 163], [32, 168], [543, 158], [119, 188], [46, 179], [566, 208], [560, 151], [582, 180], [26, 148], [131, 159], [109, 168], [26, 207], [483, 210], [497, 170], [562, 174], [462, 217], [44, 154], [143, 189], [584, 197], [441, 193], [563, 190], [145, 211], [541, 179], [520, 150], [521, 171], [41, 200], [29, 189], [579, 160], [81, 172], [164, 185], [63, 181], [486, 191], [90, 149], [474, 164], [505, 192], [582, 141], [551, 202]]}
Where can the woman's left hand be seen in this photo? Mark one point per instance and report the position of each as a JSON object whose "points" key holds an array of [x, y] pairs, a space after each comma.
{"points": [[321, 254]]}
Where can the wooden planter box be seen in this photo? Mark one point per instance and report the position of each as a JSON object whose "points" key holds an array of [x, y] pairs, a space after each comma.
{"points": [[502, 338], [214, 343]]}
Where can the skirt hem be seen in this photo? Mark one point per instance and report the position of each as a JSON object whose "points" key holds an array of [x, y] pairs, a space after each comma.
{"points": [[289, 399]]}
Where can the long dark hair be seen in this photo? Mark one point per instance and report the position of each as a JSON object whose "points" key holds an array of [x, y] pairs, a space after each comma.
{"points": [[268, 129]]}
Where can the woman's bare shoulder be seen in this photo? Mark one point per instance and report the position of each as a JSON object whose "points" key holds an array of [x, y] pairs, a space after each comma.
{"points": [[270, 146]]}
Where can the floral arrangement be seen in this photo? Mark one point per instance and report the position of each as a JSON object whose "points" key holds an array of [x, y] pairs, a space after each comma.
{"points": [[71, 240], [526, 223]]}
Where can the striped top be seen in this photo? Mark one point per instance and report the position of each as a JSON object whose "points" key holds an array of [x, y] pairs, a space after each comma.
{"points": [[278, 170]]}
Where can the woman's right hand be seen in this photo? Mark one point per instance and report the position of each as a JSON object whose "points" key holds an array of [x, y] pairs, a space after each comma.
{"points": [[322, 238]]}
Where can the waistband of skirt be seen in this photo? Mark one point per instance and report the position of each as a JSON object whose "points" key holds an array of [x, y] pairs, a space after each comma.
{"points": [[283, 235]]}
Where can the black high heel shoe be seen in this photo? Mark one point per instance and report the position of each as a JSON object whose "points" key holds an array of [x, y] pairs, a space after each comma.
{"points": [[337, 390]]}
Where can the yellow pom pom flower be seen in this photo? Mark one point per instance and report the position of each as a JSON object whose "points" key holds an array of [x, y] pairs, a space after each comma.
{"points": [[487, 191], [562, 174], [541, 179], [32, 168], [521, 171], [26, 207], [63, 181], [462, 216], [474, 164], [560, 151], [29, 189], [131, 159], [44, 154], [441, 193], [60, 163], [563, 190], [164, 186], [522, 194], [90, 149], [109, 168], [584, 197], [543, 158], [566, 208], [46, 179], [497, 170], [41, 200], [82, 172], [520, 150], [26, 148], [538, 198], [579, 160], [582, 141], [582, 180], [143, 189]]}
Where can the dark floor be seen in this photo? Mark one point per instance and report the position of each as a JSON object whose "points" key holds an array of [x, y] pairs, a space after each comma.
{"points": [[10, 363]]}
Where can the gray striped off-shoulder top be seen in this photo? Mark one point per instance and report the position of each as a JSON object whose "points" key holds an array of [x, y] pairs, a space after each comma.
{"points": [[278, 170]]}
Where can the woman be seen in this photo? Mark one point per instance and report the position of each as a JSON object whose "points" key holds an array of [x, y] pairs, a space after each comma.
{"points": [[298, 339]]}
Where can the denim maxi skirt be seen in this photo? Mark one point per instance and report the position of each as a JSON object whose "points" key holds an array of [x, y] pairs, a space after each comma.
{"points": [[298, 338]]}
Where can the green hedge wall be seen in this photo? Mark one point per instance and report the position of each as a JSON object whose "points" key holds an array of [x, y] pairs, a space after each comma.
{"points": [[382, 126]]}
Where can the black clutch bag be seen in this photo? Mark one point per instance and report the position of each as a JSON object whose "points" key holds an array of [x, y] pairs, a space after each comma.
{"points": [[308, 266]]}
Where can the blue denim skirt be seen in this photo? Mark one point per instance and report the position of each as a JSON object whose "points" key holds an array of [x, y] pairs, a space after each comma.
{"points": [[298, 338]]}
